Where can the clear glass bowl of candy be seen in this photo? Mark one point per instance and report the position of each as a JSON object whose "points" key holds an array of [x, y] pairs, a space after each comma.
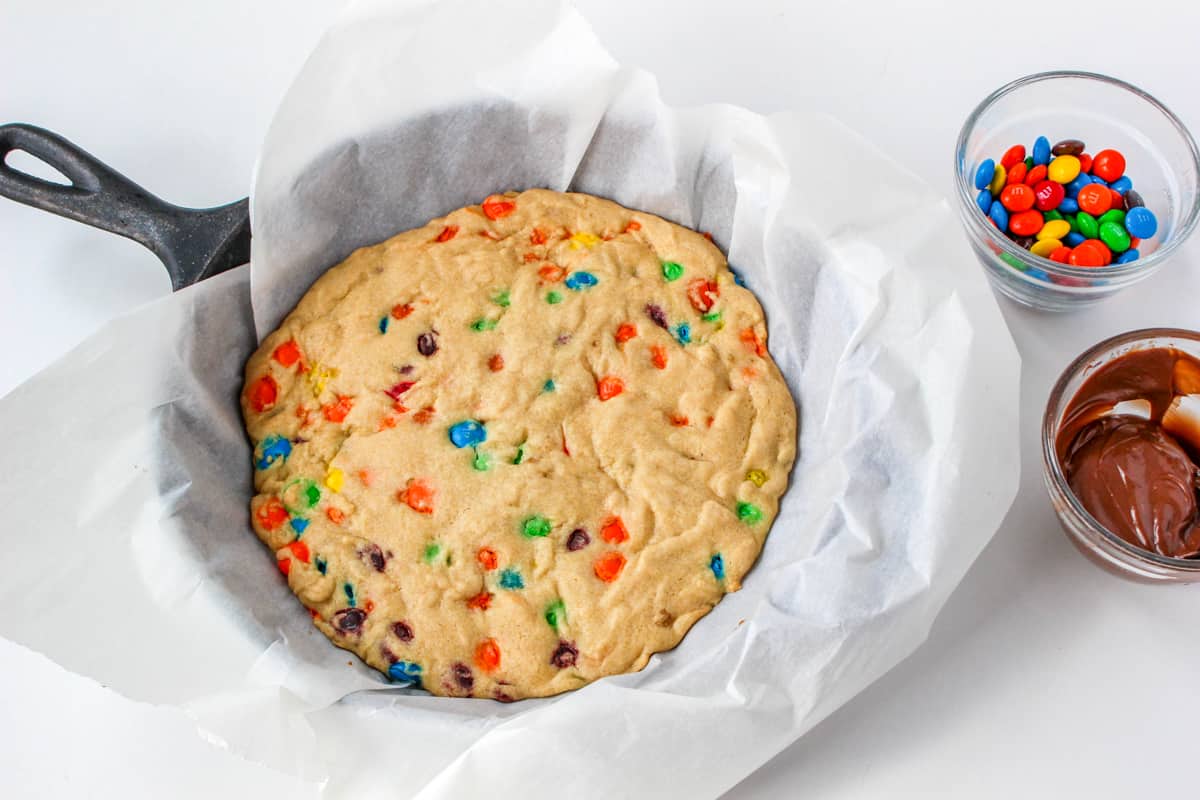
{"points": [[1074, 185]]}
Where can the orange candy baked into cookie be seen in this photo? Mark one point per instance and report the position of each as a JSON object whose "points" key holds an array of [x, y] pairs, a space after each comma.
{"points": [[521, 448]]}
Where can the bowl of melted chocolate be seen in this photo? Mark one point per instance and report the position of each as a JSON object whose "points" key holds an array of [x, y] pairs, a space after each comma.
{"points": [[1121, 446]]}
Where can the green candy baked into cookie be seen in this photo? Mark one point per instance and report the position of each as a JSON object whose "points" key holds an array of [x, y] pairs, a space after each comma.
{"points": [[521, 448]]}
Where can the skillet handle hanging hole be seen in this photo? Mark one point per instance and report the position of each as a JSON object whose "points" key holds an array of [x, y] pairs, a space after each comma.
{"points": [[31, 166], [97, 194], [85, 176]]}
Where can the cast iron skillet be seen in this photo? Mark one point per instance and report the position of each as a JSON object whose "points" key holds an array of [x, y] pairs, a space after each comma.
{"points": [[193, 244]]}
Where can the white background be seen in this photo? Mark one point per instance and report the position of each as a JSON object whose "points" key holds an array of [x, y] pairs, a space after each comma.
{"points": [[1044, 677]]}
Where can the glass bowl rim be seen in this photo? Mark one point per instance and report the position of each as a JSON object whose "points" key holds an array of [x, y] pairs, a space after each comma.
{"points": [[1053, 469], [966, 186]]}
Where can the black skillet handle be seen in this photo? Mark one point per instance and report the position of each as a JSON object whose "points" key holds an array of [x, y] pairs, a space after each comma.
{"points": [[193, 243]]}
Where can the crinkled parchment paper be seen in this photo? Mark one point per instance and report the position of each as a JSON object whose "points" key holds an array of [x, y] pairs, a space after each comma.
{"points": [[127, 475]]}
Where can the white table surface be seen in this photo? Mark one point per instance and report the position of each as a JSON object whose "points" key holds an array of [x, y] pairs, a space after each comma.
{"points": [[1044, 677]]}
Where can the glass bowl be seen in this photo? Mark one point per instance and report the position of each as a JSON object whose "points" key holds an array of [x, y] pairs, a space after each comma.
{"points": [[1104, 112], [1093, 539]]}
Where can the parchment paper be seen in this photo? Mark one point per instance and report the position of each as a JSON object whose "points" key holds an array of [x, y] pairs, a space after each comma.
{"points": [[127, 475]]}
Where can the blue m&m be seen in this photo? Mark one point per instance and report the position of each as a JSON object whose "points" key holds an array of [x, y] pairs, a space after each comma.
{"points": [[1141, 222]]}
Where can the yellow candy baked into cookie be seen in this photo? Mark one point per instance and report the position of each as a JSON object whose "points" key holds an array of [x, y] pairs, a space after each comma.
{"points": [[521, 448]]}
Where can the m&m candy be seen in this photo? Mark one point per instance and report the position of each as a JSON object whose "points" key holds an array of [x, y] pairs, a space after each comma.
{"points": [[1042, 150], [1140, 222], [1065, 205], [983, 175]]}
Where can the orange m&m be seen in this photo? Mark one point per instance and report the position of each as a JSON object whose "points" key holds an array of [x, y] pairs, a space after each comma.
{"points": [[1026, 223]]}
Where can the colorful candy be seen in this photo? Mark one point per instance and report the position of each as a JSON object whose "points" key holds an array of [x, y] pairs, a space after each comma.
{"points": [[1108, 165], [984, 174], [349, 620], [511, 579], [1068, 147], [1059, 199], [578, 540], [417, 495], [1035, 175], [273, 450], [1140, 222], [672, 271], [999, 179], [749, 513], [1094, 199], [300, 494], [335, 479], [461, 674], [1013, 155], [536, 526], [1054, 229], [1041, 150], [496, 206], [1045, 247], [1026, 223], [613, 531], [578, 281], [487, 656], [467, 433], [998, 214], [1114, 236], [556, 614], [1063, 169], [702, 294], [609, 387], [1017, 197], [406, 672], [487, 558], [1087, 225], [372, 555], [263, 394], [564, 655], [427, 343], [287, 353], [608, 567], [1048, 195]]}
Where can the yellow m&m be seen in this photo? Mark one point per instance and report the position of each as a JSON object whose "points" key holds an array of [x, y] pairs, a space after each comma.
{"points": [[1063, 169]]}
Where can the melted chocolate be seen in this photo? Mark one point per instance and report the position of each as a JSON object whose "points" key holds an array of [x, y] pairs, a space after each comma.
{"points": [[1129, 472]]}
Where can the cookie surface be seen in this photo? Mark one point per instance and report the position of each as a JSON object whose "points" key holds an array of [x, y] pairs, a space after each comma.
{"points": [[521, 448]]}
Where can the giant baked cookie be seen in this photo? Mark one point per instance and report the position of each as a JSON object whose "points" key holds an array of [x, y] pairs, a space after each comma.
{"points": [[520, 448]]}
